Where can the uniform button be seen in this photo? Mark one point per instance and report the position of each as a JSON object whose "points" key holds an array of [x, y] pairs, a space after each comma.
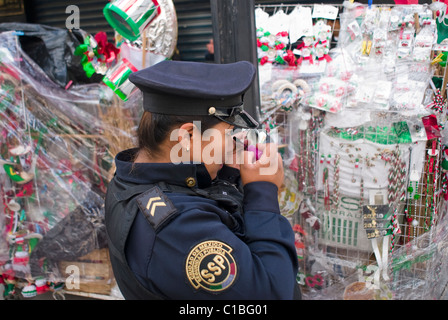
{"points": [[211, 110], [191, 182]]}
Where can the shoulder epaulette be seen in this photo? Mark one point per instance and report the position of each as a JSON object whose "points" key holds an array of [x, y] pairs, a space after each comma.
{"points": [[156, 206]]}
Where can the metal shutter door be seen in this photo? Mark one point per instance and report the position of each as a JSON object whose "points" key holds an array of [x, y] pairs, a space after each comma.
{"points": [[52, 13], [194, 21]]}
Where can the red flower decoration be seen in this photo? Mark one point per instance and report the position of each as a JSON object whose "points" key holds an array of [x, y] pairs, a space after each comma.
{"points": [[263, 60], [107, 50], [290, 58], [312, 282]]}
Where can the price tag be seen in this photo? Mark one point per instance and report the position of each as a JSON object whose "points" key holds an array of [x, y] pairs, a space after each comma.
{"points": [[325, 12]]}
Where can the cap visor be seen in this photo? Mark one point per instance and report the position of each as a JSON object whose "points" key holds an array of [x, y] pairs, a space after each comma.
{"points": [[241, 120]]}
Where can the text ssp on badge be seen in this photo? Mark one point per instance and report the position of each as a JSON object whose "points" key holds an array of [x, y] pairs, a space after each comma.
{"points": [[228, 309]]}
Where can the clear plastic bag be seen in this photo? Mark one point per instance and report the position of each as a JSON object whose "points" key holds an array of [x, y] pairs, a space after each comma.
{"points": [[383, 54]]}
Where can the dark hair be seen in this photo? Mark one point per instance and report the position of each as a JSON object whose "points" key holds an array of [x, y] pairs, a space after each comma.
{"points": [[154, 128]]}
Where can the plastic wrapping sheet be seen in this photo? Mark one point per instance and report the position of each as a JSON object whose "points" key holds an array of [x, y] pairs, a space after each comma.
{"points": [[371, 219], [419, 269], [51, 49], [57, 149]]}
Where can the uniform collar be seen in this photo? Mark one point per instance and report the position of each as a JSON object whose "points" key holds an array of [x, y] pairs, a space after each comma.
{"points": [[147, 173]]}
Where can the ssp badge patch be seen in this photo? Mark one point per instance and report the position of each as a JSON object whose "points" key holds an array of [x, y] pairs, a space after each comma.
{"points": [[211, 266]]}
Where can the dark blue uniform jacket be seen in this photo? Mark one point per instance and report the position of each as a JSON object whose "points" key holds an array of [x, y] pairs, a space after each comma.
{"points": [[202, 249]]}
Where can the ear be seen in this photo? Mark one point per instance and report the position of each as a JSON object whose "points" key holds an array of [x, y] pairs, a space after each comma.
{"points": [[185, 134], [186, 129]]}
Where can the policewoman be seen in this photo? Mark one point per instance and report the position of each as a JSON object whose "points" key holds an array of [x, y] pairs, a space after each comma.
{"points": [[197, 229]]}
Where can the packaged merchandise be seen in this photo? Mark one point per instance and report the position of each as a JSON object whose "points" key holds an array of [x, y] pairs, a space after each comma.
{"points": [[365, 168]]}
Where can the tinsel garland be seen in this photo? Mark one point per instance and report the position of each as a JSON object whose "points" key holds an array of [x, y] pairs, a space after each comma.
{"points": [[438, 102]]}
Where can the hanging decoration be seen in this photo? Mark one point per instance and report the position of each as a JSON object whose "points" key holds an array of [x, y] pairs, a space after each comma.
{"points": [[130, 17], [117, 79], [97, 54], [438, 102]]}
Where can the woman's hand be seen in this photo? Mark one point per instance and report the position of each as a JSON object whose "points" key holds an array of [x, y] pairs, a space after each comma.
{"points": [[269, 167]]}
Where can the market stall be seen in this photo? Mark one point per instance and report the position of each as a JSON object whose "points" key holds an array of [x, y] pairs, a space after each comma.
{"points": [[357, 93]]}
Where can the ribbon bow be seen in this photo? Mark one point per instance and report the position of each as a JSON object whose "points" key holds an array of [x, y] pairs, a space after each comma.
{"points": [[97, 50], [87, 52]]}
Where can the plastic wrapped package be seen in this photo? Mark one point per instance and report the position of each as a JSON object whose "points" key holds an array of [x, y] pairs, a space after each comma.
{"points": [[384, 55], [57, 149], [272, 37], [296, 44], [3, 242], [300, 37], [361, 166], [329, 94], [349, 163], [386, 34], [334, 83], [281, 112], [410, 85], [348, 85]]}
